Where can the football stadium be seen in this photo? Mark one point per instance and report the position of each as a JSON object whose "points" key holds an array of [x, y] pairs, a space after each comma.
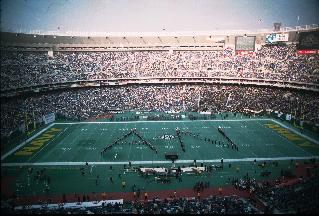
{"points": [[163, 122]]}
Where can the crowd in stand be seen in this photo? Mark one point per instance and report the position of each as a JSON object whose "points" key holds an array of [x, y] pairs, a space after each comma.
{"points": [[217, 205], [278, 196], [275, 62], [270, 62], [81, 104], [302, 197]]}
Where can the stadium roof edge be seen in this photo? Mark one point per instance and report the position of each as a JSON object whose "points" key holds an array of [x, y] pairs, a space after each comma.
{"points": [[165, 33]]}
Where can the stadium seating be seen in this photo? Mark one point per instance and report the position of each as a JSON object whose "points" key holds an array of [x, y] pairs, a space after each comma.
{"points": [[85, 103], [20, 69]]}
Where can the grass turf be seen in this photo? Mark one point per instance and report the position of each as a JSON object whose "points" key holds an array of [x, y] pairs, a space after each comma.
{"points": [[81, 142]]}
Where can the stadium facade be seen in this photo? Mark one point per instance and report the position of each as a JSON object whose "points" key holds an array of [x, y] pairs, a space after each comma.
{"points": [[237, 41], [69, 94]]}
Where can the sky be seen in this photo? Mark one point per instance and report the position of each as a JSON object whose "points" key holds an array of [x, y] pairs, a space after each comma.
{"points": [[154, 15]]}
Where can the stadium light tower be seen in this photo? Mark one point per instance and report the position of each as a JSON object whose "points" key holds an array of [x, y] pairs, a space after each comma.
{"points": [[194, 39], [160, 39], [107, 38], [127, 41], [277, 26], [209, 38], [143, 40]]}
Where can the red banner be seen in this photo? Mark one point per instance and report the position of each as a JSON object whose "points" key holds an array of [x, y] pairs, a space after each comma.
{"points": [[308, 52], [244, 52]]}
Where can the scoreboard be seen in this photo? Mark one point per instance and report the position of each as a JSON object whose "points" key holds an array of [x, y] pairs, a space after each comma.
{"points": [[308, 40], [275, 37], [245, 43]]}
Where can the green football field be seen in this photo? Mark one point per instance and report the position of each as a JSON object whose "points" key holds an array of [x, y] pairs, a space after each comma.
{"points": [[61, 143], [63, 148]]}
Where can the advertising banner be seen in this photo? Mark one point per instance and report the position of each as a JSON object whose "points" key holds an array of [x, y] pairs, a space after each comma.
{"points": [[275, 37], [49, 118], [308, 52], [244, 53]]}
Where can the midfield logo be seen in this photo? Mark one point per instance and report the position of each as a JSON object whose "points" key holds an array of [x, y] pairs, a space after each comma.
{"points": [[165, 137]]}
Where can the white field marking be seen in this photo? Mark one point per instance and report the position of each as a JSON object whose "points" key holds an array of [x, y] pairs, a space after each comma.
{"points": [[47, 144], [25, 142], [136, 122], [295, 131], [154, 162], [266, 119], [270, 144]]}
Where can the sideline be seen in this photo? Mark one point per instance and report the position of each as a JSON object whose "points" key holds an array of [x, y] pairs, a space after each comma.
{"points": [[295, 131], [136, 122], [154, 162]]}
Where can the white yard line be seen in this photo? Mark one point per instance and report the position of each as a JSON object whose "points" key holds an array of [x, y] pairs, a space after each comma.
{"points": [[295, 131], [136, 122], [154, 162], [25, 142]]}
